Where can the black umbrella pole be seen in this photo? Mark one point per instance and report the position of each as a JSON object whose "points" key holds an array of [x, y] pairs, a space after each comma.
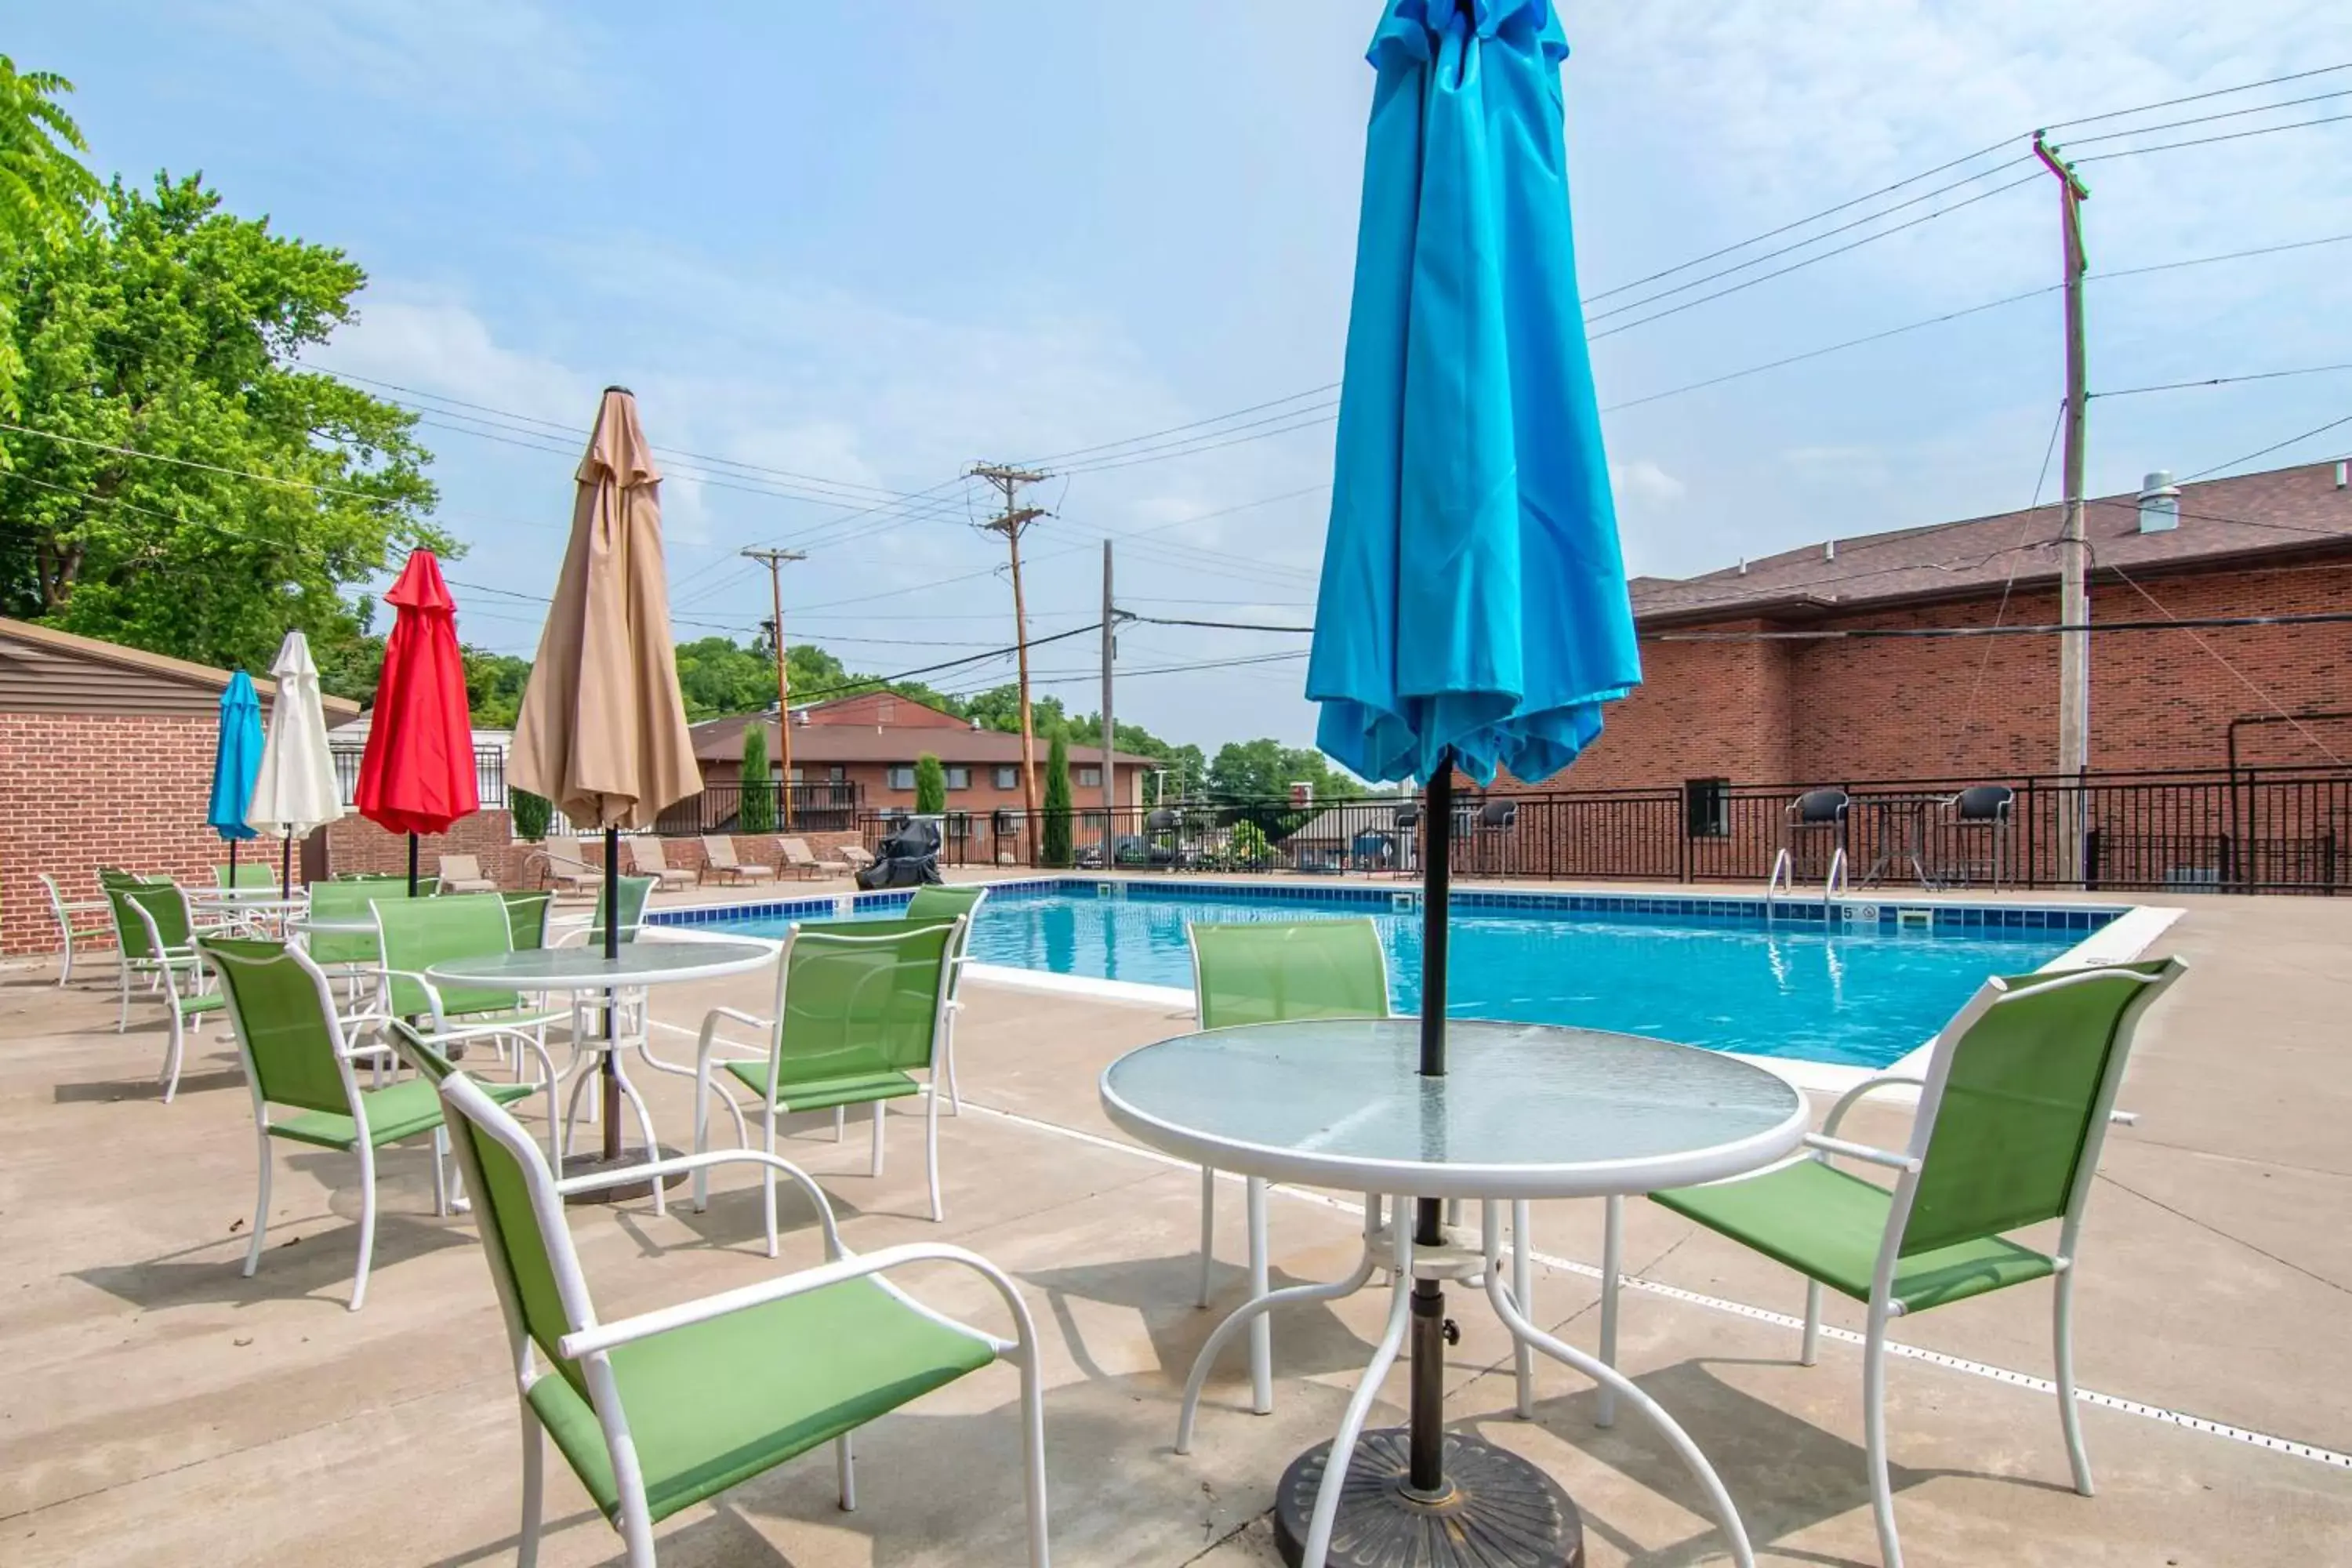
{"points": [[286, 867], [411, 865], [612, 1067], [1427, 1474]]}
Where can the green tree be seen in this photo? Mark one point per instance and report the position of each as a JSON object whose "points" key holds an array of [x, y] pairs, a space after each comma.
{"points": [[1056, 832], [192, 490], [494, 687], [756, 810], [45, 190], [1265, 769], [931, 785], [532, 814]]}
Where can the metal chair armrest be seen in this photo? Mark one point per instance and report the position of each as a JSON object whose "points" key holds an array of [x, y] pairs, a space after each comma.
{"points": [[1876, 1156], [683, 1164], [1853, 1096]]}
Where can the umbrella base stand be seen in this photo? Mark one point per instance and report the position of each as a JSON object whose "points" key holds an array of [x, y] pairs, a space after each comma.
{"points": [[596, 1165], [1497, 1510]]}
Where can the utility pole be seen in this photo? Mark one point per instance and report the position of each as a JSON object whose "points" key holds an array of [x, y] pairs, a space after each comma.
{"points": [[2074, 550], [1109, 725], [1010, 523], [775, 560]]}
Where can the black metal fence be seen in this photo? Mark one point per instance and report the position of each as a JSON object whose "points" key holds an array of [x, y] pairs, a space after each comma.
{"points": [[823, 807], [489, 774], [2242, 830]]}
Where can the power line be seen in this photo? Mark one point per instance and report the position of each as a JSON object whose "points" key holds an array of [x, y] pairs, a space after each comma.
{"points": [[2207, 119], [2209, 140], [2200, 97], [2266, 451], [2224, 380]]}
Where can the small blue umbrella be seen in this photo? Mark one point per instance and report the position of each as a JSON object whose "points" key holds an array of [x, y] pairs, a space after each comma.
{"points": [[236, 762], [1472, 613]]}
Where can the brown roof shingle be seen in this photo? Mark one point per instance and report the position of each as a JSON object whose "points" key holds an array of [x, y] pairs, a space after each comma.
{"points": [[2285, 511]]}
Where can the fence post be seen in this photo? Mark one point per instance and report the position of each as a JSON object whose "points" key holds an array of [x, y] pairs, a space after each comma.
{"points": [[2090, 860]]}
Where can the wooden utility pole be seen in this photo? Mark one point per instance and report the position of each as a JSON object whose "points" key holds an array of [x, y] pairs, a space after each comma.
{"points": [[2074, 549], [1109, 725], [1010, 523], [775, 560]]}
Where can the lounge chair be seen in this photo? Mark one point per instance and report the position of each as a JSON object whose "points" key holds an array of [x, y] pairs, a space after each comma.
{"points": [[662, 1410], [567, 874], [78, 920], [645, 852], [2012, 1110], [803, 865], [463, 874], [719, 860]]}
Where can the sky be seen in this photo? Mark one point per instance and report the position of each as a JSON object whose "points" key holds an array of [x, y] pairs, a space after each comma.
{"points": [[843, 252]]}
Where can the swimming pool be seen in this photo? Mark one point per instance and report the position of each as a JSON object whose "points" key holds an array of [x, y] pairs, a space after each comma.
{"points": [[1860, 989]]}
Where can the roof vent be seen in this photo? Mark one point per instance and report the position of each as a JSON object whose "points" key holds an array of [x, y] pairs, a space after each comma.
{"points": [[2160, 503], [1829, 549], [1743, 566], [975, 726], [2340, 475], [801, 716]]}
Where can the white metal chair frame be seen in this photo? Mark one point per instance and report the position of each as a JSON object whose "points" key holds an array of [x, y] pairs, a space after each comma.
{"points": [[707, 1045], [530, 1027], [63, 910], [169, 965], [1909, 1163], [347, 1054], [592, 1343]]}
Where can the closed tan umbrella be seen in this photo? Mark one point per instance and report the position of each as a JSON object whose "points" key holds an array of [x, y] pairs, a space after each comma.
{"points": [[603, 730]]}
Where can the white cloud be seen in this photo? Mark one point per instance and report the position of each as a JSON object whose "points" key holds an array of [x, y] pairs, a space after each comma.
{"points": [[1643, 484], [470, 59]]}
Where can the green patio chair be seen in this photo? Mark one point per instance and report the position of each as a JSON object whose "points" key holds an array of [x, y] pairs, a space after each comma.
{"points": [[352, 957], [141, 958], [656, 1412], [299, 1059], [249, 874], [635, 893], [78, 920], [2013, 1111], [946, 902], [589, 930], [1265, 972], [415, 934], [527, 918], [168, 935], [861, 1006]]}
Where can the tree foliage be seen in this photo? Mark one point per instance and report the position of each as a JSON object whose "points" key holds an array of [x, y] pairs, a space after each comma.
{"points": [[1056, 835], [192, 490], [931, 785], [532, 814], [755, 810], [1266, 769], [45, 189]]}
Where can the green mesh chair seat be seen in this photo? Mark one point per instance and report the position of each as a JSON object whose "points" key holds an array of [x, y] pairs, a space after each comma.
{"points": [[417, 933], [249, 874], [352, 899], [2013, 1110], [1827, 1225], [950, 901], [862, 1005], [713, 1403], [527, 918], [402, 1110], [707, 1395]]}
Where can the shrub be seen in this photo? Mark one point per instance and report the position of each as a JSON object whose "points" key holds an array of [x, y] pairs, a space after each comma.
{"points": [[532, 815], [930, 786], [1249, 844], [1057, 828], [755, 810]]}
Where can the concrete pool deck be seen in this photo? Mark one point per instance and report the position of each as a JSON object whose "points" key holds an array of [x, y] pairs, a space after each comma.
{"points": [[158, 1407]]}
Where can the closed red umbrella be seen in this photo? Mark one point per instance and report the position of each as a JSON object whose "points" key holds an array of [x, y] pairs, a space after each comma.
{"points": [[417, 773]]}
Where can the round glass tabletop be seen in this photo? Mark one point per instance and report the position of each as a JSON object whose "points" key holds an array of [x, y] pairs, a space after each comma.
{"points": [[1525, 1111], [587, 968]]}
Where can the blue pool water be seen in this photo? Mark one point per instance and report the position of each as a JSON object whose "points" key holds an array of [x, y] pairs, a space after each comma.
{"points": [[1855, 994]]}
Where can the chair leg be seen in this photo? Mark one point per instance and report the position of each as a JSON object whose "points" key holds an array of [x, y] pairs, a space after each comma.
{"points": [[875, 1170], [947, 1052], [441, 1173], [1261, 1327], [1873, 1430], [840, 1121], [1613, 1264], [845, 1465], [701, 1132], [1523, 1288], [367, 1225], [768, 1182], [1208, 1229], [931, 1150], [260, 1209], [122, 991], [2069, 1412], [171, 1055], [1032, 1453], [1809, 1352], [534, 1487]]}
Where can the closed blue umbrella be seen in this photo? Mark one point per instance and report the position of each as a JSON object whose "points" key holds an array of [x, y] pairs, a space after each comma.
{"points": [[236, 761], [1472, 613]]}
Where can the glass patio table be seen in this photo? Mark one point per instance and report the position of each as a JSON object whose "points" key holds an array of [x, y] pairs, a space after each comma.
{"points": [[588, 968], [1525, 1111]]}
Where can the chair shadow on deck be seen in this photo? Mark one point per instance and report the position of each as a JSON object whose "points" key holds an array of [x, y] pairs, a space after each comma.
{"points": [[1785, 1475]]}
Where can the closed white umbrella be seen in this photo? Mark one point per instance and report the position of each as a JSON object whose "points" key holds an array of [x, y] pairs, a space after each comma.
{"points": [[296, 791]]}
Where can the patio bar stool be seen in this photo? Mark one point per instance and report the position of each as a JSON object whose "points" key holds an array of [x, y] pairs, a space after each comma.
{"points": [[1978, 815]]}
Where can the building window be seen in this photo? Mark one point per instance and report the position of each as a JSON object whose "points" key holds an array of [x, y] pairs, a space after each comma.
{"points": [[1008, 778], [1707, 808], [837, 775], [1090, 778], [901, 776], [958, 778], [796, 776]]}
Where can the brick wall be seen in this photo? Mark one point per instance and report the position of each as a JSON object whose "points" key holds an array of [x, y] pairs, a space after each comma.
{"points": [[79, 791], [1801, 711], [357, 844]]}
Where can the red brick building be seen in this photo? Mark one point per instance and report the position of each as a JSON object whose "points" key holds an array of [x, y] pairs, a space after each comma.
{"points": [[1795, 706], [871, 743], [106, 759]]}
